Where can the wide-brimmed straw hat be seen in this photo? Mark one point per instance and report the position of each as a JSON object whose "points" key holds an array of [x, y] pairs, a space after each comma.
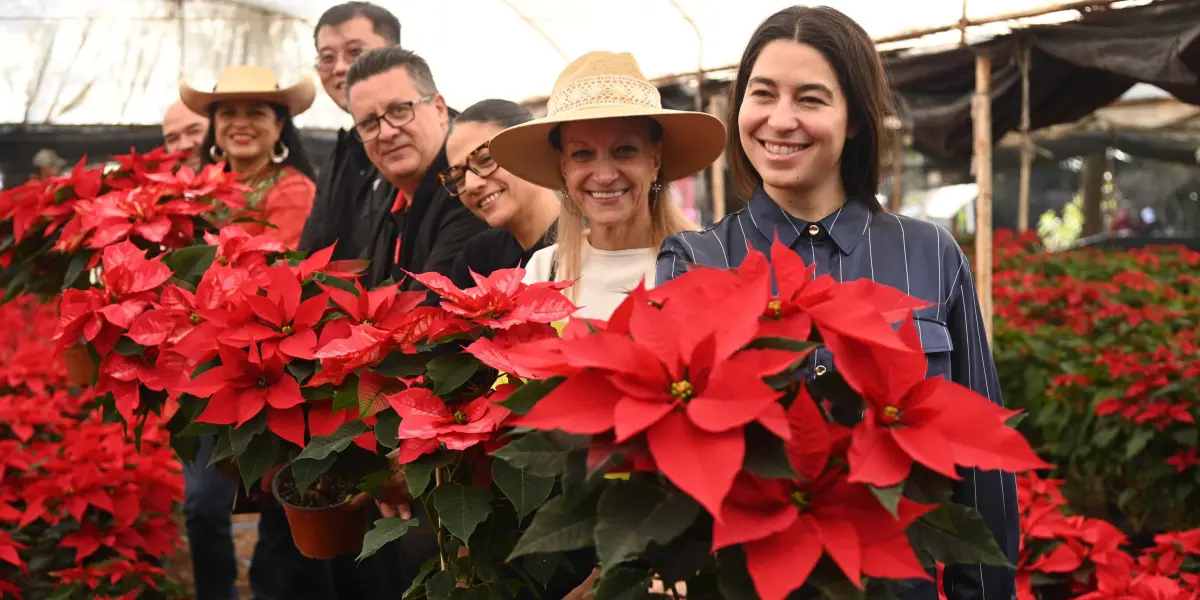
{"points": [[250, 83], [605, 85]]}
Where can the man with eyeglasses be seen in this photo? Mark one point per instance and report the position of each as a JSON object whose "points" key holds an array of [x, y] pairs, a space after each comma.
{"points": [[402, 122]]}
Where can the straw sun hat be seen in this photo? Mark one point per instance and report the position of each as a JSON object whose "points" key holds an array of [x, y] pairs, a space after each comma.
{"points": [[604, 85], [250, 83]]}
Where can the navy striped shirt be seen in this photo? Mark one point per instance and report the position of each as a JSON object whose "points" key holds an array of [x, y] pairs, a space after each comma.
{"points": [[916, 257]]}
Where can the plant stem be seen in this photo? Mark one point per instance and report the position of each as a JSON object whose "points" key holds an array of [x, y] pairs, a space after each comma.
{"points": [[437, 520]]}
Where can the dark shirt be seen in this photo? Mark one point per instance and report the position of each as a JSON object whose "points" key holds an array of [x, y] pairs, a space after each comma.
{"points": [[353, 207], [491, 251], [921, 259]]}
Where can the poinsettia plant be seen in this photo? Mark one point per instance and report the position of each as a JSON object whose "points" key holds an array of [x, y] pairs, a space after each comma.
{"points": [[692, 450], [437, 405], [52, 230]]}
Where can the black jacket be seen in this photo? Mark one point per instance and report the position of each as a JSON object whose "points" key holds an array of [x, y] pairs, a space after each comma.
{"points": [[434, 228], [353, 206]]}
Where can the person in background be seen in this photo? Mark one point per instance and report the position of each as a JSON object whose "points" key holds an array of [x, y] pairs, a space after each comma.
{"points": [[349, 200], [402, 122], [251, 130], [47, 163], [613, 157], [521, 214], [806, 141], [183, 131]]}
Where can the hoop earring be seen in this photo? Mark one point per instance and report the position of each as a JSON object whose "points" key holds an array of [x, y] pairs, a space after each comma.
{"points": [[216, 153], [283, 154]]}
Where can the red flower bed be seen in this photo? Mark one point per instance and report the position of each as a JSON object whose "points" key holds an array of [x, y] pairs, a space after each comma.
{"points": [[83, 513], [1102, 350]]}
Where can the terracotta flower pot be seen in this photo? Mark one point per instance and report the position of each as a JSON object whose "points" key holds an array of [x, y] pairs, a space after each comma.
{"points": [[323, 533], [81, 371]]}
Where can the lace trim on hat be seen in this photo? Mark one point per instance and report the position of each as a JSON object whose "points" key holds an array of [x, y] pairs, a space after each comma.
{"points": [[604, 89]]}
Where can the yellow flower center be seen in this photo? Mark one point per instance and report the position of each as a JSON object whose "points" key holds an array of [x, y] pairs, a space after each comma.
{"points": [[800, 499], [194, 319], [460, 417], [287, 330], [682, 389], [775, 306], [891, 415]]}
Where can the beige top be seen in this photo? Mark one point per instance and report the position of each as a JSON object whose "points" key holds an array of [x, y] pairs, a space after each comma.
{"points": [[605, 279]]}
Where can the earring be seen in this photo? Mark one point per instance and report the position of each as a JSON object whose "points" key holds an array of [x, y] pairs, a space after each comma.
{"points": [[656, 187], [282, 155], [216, 153]]}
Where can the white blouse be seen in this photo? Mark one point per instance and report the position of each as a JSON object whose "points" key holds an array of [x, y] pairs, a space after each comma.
{"points": [[606, 276]]}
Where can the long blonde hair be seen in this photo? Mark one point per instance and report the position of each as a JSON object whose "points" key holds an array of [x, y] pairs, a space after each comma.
{"points": [[665, 219]]}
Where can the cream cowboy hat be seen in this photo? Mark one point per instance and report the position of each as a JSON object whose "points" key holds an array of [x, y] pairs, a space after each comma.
{"points": [[250, 83], [604, 85]]}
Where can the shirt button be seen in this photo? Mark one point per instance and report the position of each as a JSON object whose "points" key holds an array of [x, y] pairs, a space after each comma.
{"points": [[820, 370], [814, 230]]}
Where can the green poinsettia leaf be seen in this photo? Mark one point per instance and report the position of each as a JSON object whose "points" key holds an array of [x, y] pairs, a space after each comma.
{"points": [[450, 371], [525, 490], [525, 397], [321, 446], [189, 264], [384, 532], [554, 529], [387, 425], [461, 508], [632, 514], [306, 470], [240, 437], [418, 472], [889, 497], [259, 457], [534, 453], [623, 583], [956, 534]]}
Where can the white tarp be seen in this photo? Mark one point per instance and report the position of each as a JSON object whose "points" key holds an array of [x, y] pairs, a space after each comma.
{"points": [[119, 61]]}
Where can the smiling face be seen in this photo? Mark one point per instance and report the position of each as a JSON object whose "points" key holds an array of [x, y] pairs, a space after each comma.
{"points": [[500, 195], [793, 119], [183, 131], [337, 48], [403, 152], [609, 166], [246, 130]]}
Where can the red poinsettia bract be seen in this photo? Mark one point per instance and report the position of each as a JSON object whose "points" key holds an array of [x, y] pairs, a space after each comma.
{"points": [[681, 378], [500, 300], [245, 384], [933, 421], [427, 423], [99, 315], [785, 526]]}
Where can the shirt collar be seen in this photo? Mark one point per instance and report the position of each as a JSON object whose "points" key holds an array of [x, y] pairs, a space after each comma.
{"points": [[846, 226]]}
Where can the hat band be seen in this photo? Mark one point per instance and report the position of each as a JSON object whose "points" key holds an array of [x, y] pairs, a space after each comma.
{"points": [[604, 89]]}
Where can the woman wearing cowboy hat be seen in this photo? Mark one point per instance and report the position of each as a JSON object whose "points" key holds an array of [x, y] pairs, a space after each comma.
{"points": [[251, 130], [611, 150]]}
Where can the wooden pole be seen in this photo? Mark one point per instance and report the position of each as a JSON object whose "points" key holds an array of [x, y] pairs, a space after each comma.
{"points": [[716, 107], [1026, 142], [981, 113]]}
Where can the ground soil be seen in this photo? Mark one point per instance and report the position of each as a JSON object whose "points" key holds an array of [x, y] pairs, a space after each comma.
{"points": [[328, 490]]}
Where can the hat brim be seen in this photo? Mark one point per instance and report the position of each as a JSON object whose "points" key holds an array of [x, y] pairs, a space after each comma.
{"points": [[296, 98], [691, 141]]}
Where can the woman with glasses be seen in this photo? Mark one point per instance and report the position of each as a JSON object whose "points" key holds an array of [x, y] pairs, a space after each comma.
{"points": [[521, 214]]}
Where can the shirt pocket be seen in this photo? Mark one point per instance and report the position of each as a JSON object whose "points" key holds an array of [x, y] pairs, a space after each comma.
{"points": [[938, 347]]}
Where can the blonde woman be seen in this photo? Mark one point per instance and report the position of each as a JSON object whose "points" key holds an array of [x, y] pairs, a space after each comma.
{"points": [[610, 149]]}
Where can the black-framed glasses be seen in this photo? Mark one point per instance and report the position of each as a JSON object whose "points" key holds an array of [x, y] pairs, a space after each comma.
{"points": [[398, 114], [479, 162]]}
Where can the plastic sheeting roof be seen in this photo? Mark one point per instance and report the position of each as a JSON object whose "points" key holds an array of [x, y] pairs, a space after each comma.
{"points": [[119, 62]]}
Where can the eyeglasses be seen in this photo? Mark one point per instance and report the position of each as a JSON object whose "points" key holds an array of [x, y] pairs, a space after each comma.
{"points": [[398, 114], [479, 162], [326, 61]]}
